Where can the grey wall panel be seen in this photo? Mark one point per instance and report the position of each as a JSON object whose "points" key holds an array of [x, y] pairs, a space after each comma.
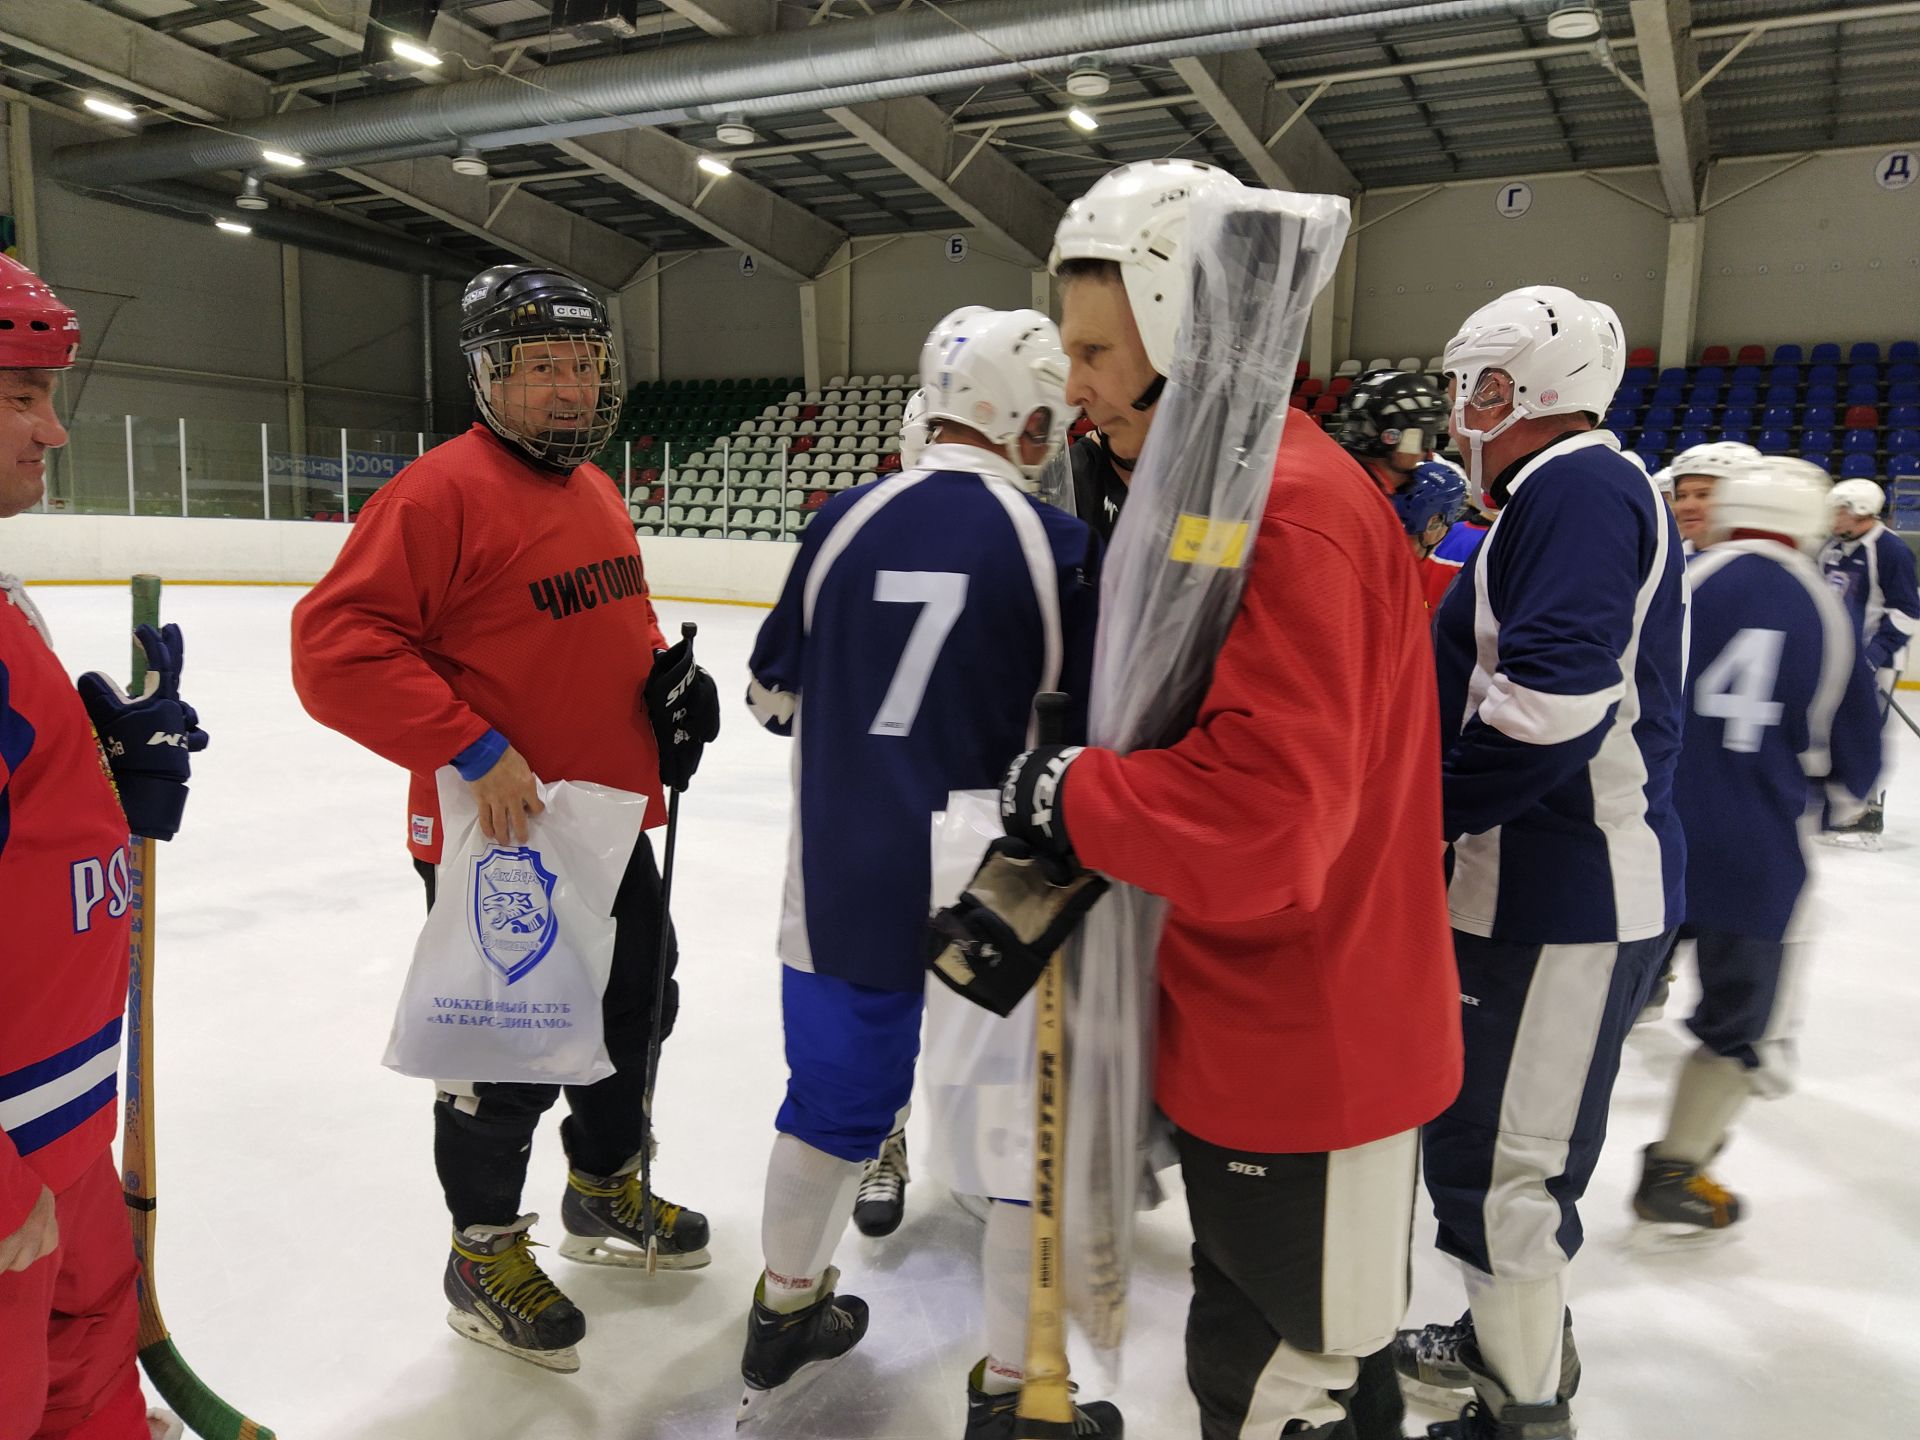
{"points": [[716, 322], [901, 291]]}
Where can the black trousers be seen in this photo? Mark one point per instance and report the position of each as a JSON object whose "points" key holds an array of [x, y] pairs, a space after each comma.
{"points": [[483, 1133], [1300, 1277]]}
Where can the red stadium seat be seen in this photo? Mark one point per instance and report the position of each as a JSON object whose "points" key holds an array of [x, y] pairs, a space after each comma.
{"points": [[1715, 355], [1751, 355], [1642, 355], [1339, 385], [1862, 417], [1300, 401], [801, 444], [1326, 404], [1300, 370], [1312, 387], [809, 412]]}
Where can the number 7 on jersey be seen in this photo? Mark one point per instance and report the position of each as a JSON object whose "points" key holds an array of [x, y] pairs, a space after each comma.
{"points": [[942, 596]]}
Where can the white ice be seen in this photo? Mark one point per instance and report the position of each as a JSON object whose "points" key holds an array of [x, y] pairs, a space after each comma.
{"points": [[301, 1233]]}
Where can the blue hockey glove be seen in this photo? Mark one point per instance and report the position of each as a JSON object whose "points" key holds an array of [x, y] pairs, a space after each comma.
{"points": [[148, 738]]}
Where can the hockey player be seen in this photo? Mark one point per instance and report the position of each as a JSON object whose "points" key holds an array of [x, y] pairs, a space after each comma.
{"points": [[921, 617], [1871, 569], [1780, 704], [1690, 482], [1392, 422], [68, 1309], [1560, 654], [1291, 915], [489, 612], [1455, 550]]}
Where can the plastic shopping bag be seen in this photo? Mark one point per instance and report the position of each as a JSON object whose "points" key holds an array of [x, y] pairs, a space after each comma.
{"points": [[509, 970], [976, 1069]]}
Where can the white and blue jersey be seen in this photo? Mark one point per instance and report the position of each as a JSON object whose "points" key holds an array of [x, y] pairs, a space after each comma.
{"points": [[1874, 578], [921, 617], [1778, 705], [1561, 656]]}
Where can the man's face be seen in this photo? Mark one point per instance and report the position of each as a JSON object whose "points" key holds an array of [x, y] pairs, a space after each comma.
{"points": [[1107, 367], [1692, 497], [28, 429], [1849, 526], [1490, 403], [552, 386]]}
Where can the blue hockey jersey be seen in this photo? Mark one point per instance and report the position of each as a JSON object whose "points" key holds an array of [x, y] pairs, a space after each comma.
{"points": [[1778, 704], [1874, 577], [921, 616], [1561, 656]]}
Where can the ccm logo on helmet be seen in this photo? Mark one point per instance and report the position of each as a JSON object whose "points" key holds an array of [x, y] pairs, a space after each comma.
{"points": [[572, 312]]}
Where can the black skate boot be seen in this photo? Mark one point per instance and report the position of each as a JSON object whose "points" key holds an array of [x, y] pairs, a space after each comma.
{"points": [[990, 1417], [602, 1215], [1862, 833], [1681, 1202], [1492, 1414], [780, 1347], [1432, 1368], [501, 1298], [881, 1202]]}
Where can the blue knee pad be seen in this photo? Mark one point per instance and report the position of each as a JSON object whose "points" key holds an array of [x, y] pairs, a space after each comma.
{"points": [[850, 1056]]}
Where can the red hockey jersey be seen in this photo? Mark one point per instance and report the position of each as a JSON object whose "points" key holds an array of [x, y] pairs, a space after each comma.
{"points": [[480, 592], [63, 964], [1308, 995]]}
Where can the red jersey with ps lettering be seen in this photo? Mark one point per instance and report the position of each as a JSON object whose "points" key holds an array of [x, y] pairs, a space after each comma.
{"points": [[63, 956], [480, 592]]}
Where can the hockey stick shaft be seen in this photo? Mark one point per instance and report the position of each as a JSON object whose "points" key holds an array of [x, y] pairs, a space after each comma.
{"points": [[1894, 705], [687, 631], [203, 1411], [1045, 1410]]}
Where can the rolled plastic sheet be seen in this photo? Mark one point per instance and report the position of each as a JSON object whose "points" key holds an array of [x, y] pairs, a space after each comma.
{"points": [[1173, 579]]}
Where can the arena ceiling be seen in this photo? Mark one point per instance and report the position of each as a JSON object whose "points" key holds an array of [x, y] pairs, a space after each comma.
{"points": [[1666, 84]]}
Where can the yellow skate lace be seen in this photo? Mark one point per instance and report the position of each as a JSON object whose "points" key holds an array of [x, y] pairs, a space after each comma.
{"points": [[627, 1202], [1704, 1188], [514, 1278]]}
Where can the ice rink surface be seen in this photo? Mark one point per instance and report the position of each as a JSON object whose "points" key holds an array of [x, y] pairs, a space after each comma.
{"points": [[302, 1236]]}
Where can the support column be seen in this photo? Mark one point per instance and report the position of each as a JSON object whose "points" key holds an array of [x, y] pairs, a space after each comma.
{"points": [[22, 206], [825, 306], [639, 309], [1686, 245], [1330, 324], [295, 332]]}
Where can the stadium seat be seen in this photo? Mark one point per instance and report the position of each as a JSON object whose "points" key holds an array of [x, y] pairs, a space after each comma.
{"points": [[1651, 442], [1819, 417], [1660, 417], [1412, 364], [1817, 439], [1862, 417], [1715, 355], [1860, 442], [1697, 416], [1906, 392], [1299, 400], [1905, 467], [1300, 369], [1902, 371], [1638, 374], [1862, 392], [1826, 352], [1904, 350], [1640, 355], [1782, 394], [1380, 362], [1687, 439], [1436, 364], [1325, 404], [1619, 421], [1823, 394], [1864, 350], [1667, 393], [1858, 467], [1704, 392], [1903, 417], [1819, 374], [1788, 354], [1863, 374], [1774, 442], [1903, 441], [1712, 374], [1752, 355], [1311, 387], [1746, 393], [1673, 375], [1340, 385], [1347, 368], [1736, 417]]}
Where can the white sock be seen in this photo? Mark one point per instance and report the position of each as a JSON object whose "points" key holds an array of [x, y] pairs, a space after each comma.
{"points": [[808, 1203], [1005, 1263], [1711, 1092], [1519, 1324]]}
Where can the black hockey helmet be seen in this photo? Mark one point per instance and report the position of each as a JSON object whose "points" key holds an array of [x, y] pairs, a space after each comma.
{"points": [[1392, 413], [528, 334]]}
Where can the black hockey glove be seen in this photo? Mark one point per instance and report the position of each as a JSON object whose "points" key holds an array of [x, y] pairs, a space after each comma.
{"points": [[993, 944], [1029, 799], [684, 705], [147, 739]]}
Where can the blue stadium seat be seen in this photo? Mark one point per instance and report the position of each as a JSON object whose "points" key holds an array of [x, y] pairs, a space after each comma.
{"points": [[1822, 458], [1746, 396], [1826, 352], [1778, 374], [1788, 354], [1638, 375], [1906, 392], [1697, 416], [1710, 374], [1660, 417], [1821, 440], [1904, 350], [1651, 442], [1819, 417], [1669, 395], [1621, 420], [1774, 442], [1823, 375], [1652, 459], [1746, 375], [1687, 439], [1860, 442], [1864, 350], [1742, 433], [1863, 374], [1858, 467], [1633, 395], [1736, 417], [1823, 394], [1779, 417], [1905, 467], [1903, 440], [1858, 394], [1674, 375], [1903, 370], [1783, 394], [1704, 393], [1904, 417]]}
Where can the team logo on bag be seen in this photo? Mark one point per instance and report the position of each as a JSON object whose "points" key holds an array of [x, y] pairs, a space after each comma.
{"points": [[510, 916]]}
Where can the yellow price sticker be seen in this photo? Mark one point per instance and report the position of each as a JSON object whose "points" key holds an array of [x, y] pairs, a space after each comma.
{"points": [[1203, 540]]}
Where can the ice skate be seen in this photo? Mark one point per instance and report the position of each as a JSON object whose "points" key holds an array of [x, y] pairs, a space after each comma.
{"points": [[603, 1215], [1860, 834], [785, 1351], [990, 1417], [1680, 1204], [1493, 1415], [1433, 1371], [881, 1202], [502, 1298]]}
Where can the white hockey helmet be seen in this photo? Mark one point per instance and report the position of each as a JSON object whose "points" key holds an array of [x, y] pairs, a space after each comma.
{"points": [[1858, 497], [1718, 458], [1565, 356], [1662, 478], [1002, 373], [1136, 216], [913, 429], [1775, 494]]}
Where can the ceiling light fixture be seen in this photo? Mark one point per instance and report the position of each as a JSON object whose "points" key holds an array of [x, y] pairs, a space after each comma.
{"points": [[714, 166], [250, 197], [470, 162], [112, 109], [1574, 22], [416, 54], [285, 159], [1083, 119], [233, 227], [1087, 79], [734, 130]]}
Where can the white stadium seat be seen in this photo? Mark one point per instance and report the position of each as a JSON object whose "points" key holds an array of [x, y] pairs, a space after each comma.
{"points": [[1348, 367], [1380, 363], [1412, 364]]}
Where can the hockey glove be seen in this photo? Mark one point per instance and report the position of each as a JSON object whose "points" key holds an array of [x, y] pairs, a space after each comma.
{"points": [[684, 706], [993, 944], [147, 740], [1030, 799]]}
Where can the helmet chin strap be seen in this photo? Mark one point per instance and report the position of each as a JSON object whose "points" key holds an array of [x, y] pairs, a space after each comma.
{"points": [[1477, 438], [1150, 396]]}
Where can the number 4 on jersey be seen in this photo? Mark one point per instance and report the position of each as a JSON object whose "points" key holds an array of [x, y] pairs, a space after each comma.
{"points": [[943, 595], [1738, 688]]}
